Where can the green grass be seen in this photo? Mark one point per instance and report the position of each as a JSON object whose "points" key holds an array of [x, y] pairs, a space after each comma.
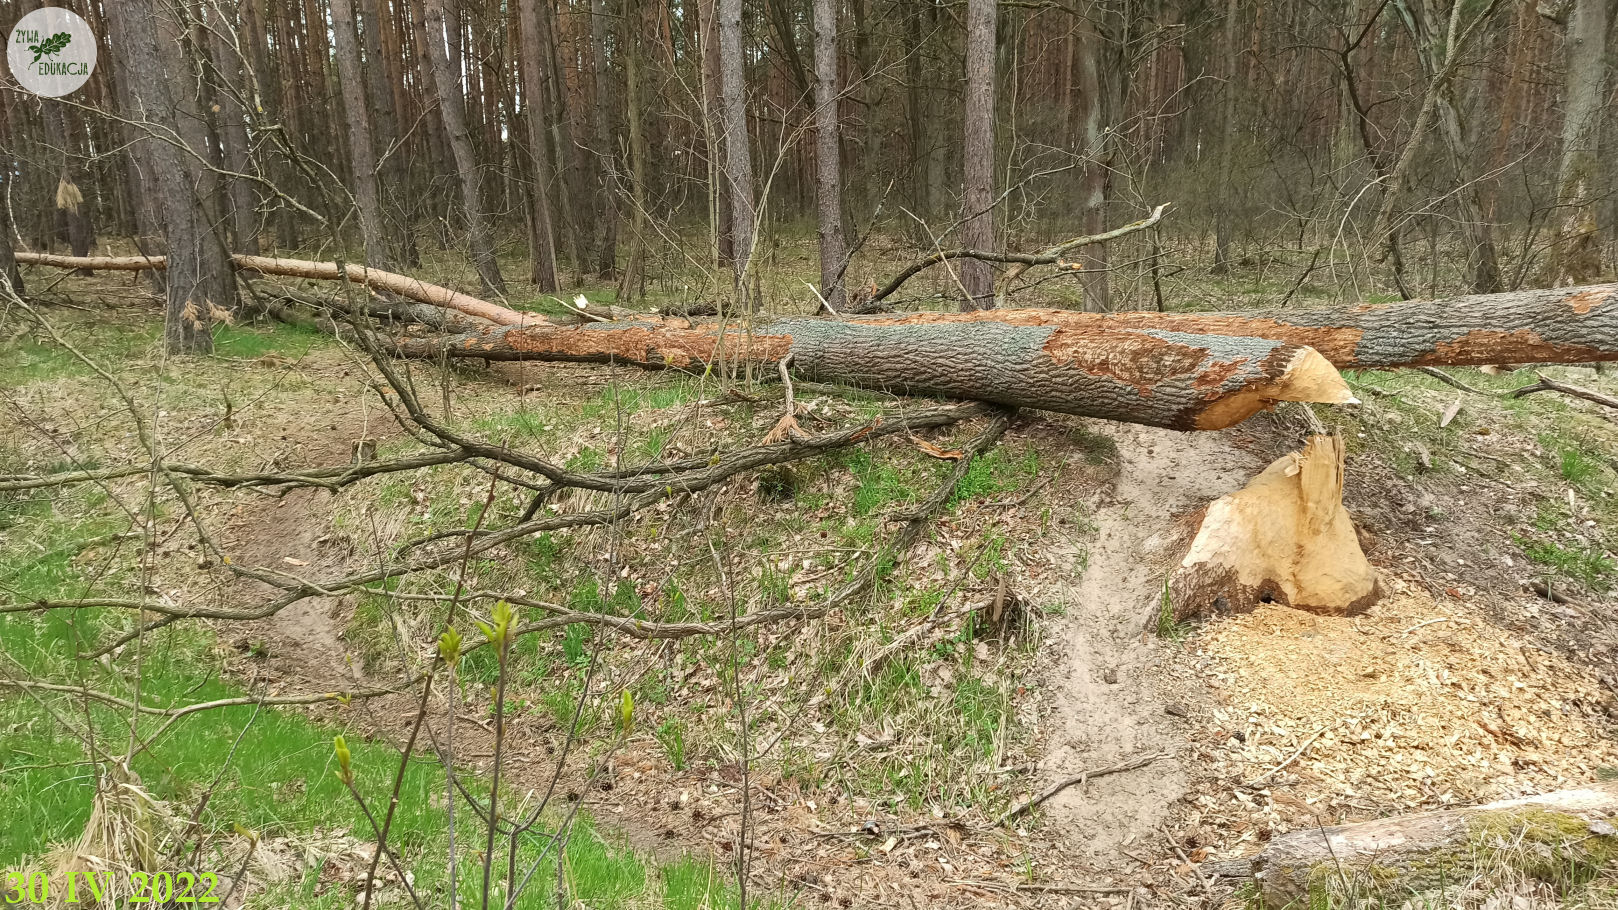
{"points": [[252, 341], [1586, 565]]}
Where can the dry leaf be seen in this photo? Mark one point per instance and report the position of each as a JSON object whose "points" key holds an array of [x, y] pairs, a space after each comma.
{"points": [[1450, 412]]}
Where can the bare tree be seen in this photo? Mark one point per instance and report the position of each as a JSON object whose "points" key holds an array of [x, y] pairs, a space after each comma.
{"points": [[453, 112], [828, 155], [1576, 255], [230, 94], [977, 229], [606, 159]]}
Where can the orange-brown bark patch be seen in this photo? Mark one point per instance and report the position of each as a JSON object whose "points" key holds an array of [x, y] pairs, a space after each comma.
{"points": [[1585, 301], [1214, 377], [1516, 346], [1138, 360]]}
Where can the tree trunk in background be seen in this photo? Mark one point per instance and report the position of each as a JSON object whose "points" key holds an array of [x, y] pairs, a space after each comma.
{"points": [[977, 212], [713, 132], [1223, 216], [361, 151], [69, 207], [9, 273], [921, 158], [1576, 252], [1460, 142], [201, 281], [1093, 181], [137, 171], [570, 193], [636, 44], [828, 155], [453, 113], [738, 150], [542, 252], [381, 76], [606, 155], [230, 91]]}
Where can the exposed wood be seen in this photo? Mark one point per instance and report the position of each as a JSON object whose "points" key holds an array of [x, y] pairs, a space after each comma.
{"points": [[1284, 538], [1398, 857]]}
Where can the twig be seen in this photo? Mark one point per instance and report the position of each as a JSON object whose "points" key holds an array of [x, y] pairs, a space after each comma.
{"points": [[1264, 778], [1442, 376], [1551, 385], [1129, 765]]}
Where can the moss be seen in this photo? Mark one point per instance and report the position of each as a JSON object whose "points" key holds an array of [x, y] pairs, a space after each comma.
{"points": [[1557, 848]]}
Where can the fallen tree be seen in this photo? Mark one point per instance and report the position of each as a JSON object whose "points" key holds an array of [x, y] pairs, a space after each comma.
{"points": [[1550, 836], [1178, 370]]}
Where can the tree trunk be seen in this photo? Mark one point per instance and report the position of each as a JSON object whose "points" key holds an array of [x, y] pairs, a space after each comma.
{"points": [[542, 254], [10, 275], [738, 164], [1560, 325], [382, 75], [713, 133], [916, 116], [633, 284], [1227, 145], [606, 155], [70, 209], [201, 283], [361, 150], [1391, 859], [231, 89], [451, 109], [828, 156], [1093, 181], [1576, 251], [977, 203]]}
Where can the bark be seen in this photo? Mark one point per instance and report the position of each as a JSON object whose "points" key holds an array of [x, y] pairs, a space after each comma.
{"points": [[1394, 858], [1576, 253], [1094, 179], [70, 208], [542, 254], [201, 285], [384, 93], [738, 164], [453, 113], [1171, 380], [828, 156], [361, 147], [977, 229], [1284, 538]]}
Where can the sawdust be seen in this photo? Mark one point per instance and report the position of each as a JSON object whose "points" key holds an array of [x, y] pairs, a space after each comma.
{"points": [[1416, 705]]}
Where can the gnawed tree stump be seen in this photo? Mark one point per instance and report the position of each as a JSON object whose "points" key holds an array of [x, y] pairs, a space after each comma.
{"points": [[1552, 837], [1284, 538]]}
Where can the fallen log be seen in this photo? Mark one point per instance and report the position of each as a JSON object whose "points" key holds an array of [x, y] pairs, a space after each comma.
{"points": [[1553, 837], [1284, 538], [1166, 379], [403, 285], [1556, 325]]}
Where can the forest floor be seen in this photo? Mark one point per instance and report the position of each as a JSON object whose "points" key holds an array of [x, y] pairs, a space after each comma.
{"points": [[874, 776]]}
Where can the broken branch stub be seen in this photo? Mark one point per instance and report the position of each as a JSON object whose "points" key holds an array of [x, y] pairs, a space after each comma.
{"points": [[1284, 538]]}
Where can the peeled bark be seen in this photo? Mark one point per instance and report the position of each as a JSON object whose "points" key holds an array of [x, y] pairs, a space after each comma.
{"points": [[1396, 858], [1284, 538]]}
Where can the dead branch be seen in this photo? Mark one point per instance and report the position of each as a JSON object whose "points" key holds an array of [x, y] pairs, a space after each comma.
{"points": [[1023, 807]]}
